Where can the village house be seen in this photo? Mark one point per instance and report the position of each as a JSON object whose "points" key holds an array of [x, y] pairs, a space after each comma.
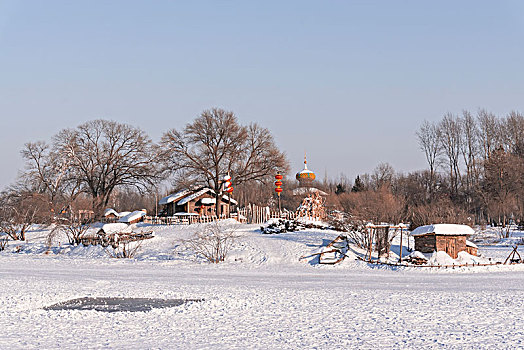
{"points": [[199, 201], [449, 238]]}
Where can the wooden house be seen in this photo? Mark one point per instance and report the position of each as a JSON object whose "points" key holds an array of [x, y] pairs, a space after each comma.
{"points": [[201, 201], [449, 238]]}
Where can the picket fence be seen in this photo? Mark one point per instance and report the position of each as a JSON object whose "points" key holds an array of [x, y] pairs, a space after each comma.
{"points": [[251, 214]]}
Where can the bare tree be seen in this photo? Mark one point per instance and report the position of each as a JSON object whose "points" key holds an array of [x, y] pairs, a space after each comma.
{"points": [[500, 184], [125, 250], [489, 132], [376, 206], [451, 145], [106, 155], [356, 230], [215, 144], [19, 211], [469, 149], [382, 176], [513, 127], [429, 141], [46, 168]]}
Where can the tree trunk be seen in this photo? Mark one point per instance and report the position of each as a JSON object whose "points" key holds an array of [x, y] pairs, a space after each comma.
{"points": [[218, 208]]}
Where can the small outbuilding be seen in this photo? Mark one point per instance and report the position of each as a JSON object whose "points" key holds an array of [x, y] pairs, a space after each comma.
{"points": [[111, 215], [450, 238]]}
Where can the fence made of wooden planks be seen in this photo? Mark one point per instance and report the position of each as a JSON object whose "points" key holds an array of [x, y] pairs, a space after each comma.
{"points": [[254, 214], [251, 214]]}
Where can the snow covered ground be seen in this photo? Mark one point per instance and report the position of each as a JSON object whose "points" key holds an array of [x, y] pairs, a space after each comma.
{"points": [[262, 297]]}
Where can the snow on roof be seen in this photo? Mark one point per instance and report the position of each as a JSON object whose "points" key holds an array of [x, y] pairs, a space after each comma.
{"points": [[208, 200], [174, 197], [418, 255], [183, 197], [231, 200], [471, 244], [123, 213], [116, 227], [185, 214], [110, 211], [443, 229], [137, 214], [194, 195]]}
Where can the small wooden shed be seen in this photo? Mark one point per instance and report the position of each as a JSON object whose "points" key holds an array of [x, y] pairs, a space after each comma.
{"points": [[450, 238], [111, 215]]}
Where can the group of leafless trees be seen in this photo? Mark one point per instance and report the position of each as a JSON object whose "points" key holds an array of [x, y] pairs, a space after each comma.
{"points": [[482, 159], [475, 172], [102, 162], [475, 175]]}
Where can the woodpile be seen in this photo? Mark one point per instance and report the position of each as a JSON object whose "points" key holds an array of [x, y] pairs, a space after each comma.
{"points": [[114, 239]]}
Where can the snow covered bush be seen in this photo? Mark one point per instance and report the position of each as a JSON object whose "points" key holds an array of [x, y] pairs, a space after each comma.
{"points": [[355, 230], [503, 232], [73, 229], [125, 250], [212, 241]]}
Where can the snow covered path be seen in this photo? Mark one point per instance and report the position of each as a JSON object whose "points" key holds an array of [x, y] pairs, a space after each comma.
{"points": [[267, 307]]}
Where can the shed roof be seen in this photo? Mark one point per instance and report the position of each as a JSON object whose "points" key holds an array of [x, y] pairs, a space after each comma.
{"points": [[132, 216], [443, 229], [471, 244], [116, 227], [110, 211]]}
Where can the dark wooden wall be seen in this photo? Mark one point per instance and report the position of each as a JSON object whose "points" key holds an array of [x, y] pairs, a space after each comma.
{"points": [[452, 245], [425, 244]]}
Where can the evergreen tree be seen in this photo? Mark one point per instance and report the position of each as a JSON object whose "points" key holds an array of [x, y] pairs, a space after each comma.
{"points": [[358, 186], [340, 189]]}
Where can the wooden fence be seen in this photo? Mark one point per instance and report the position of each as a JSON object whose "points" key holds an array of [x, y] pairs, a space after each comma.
{"points": [[252, 214]]}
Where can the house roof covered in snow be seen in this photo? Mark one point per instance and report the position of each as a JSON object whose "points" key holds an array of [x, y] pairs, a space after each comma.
{"points": [[174, 197], [137, 214], [443, 229], [195, 195], [231, 200], [185, 196]]}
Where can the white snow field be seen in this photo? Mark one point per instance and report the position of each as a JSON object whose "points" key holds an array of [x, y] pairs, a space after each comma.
{"points": [[262, 297]]}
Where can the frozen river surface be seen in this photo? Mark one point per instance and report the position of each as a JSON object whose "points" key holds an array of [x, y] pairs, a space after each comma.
{"points": [[266, 307]]}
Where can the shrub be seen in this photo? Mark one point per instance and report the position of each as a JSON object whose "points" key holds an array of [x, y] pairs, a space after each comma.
{"points": [[212, 241]]}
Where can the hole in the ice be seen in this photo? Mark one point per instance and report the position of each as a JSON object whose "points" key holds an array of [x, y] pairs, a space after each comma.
{"points": [[118, 304]]}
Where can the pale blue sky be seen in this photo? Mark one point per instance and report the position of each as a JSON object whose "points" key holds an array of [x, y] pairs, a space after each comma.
{"points": [[348, 81]]}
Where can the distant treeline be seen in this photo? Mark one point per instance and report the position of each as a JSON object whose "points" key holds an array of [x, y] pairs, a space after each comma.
{"points": [[475, 171]]}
